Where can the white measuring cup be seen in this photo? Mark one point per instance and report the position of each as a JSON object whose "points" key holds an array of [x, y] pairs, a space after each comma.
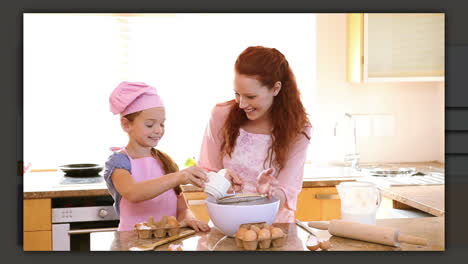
{"points": [[359, 201]]}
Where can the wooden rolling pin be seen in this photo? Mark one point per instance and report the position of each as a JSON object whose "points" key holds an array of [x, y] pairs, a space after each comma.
{"points": [[370, 233]]}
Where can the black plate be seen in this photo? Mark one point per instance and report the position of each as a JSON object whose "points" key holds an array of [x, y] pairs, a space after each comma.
{"points": [[81, 170]]}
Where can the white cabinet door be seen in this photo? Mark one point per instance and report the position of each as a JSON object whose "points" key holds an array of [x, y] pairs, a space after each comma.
{"points": [[396, 47]]}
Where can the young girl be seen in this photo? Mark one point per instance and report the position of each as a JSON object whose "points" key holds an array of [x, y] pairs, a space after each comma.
{"points": [[142, 180], [261, 137]]}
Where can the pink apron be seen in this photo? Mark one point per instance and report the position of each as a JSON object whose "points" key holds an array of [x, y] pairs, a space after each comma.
{"points": [[164, 204]]}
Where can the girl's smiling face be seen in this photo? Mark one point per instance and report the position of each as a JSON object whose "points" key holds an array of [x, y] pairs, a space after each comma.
{"points": [[253, 97], [147, 128]]}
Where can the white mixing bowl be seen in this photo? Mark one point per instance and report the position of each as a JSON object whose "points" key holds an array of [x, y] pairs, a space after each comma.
{"points": [[228, 217]]}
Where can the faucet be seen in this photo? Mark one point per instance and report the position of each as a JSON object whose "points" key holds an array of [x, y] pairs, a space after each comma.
{"points": [[354, 155]]}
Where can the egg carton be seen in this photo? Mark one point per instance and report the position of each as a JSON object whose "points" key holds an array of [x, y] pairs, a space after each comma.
{"points": [[259, 235], [168, 226]]}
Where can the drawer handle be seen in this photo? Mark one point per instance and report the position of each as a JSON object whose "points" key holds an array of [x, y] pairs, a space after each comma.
{"points": [[327, 197], [196, 202], [87, 231]]}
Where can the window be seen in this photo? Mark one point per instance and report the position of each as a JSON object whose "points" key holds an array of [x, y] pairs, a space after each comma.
{"points": [[72, 62]]}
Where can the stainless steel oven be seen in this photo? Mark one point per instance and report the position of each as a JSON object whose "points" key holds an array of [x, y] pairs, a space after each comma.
{"points": [[74, 218]]}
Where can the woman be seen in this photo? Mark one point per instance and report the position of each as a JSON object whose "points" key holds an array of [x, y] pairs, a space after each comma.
{"points": [[262, 136]]}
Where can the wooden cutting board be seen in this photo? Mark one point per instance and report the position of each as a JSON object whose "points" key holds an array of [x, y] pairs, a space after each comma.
{"points": [[151, 246]]}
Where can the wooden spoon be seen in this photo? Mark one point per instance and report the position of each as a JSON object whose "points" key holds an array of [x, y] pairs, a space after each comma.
{"points": [[322, 239]]}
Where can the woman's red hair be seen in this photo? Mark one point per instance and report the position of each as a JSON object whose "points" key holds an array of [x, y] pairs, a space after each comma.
{"points": [[288, 115]]}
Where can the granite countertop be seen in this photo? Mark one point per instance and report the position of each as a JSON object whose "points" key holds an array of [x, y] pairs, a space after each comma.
{"points": [[48, 184], [431, 228]]}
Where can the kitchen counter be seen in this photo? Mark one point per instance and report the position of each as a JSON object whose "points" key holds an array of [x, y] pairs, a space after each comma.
{"points": [[47, 184], [38, 185], [429, 199], [431, 228]]}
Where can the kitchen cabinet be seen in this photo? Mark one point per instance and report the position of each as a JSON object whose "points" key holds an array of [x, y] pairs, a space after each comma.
{"points": [[196, 203], [395, 47], [37, 224], [318, 204]]}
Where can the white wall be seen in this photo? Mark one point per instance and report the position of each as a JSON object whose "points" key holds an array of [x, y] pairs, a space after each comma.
{"points": [[72, 62], [417, 108]]}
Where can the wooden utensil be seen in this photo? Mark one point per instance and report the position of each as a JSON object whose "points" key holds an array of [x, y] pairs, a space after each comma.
{"points": [[152, 246], [370, 233], [319, 240]]}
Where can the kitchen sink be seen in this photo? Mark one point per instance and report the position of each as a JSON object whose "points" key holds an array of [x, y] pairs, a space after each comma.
{"points": [[403, 176]]}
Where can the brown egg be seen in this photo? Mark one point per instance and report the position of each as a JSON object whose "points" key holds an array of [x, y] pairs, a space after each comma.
{"points": [[240, 233], [324, 244], [163, 221], [171, 218], [250, 235], [312, 243], [276, 232], [264, 234], [255, 228], [172, 222], [271, 227]]}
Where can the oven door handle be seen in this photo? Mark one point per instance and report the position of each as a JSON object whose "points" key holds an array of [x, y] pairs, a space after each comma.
{"points": [[91, 230]]}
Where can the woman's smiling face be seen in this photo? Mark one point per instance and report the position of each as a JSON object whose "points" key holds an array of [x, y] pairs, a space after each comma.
{"points": [[253, 97]]}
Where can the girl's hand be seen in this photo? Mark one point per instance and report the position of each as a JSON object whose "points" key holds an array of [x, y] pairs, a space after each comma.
{"points": [[266, 182], [193, 175], [196, 225], [234, 179]]}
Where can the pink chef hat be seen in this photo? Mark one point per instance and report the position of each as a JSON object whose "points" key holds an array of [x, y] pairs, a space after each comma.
{"points": [[131, 97]]}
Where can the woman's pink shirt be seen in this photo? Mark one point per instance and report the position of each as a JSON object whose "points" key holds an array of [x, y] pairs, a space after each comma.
{"points": [[248, 157]]}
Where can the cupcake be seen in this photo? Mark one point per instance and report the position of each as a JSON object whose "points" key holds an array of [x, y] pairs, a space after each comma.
{"points": [[239, 236], [250, 240], [264, 238], [144, 230], [173, 226], [277, 237]]}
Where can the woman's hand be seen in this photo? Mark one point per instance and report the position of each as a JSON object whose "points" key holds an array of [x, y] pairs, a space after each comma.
{"points": [[233, 178], [196, 225], [193, 175], [266, 183]]}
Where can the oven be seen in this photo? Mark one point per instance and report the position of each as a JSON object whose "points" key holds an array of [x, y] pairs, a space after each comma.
{"points": [[74, 218]]}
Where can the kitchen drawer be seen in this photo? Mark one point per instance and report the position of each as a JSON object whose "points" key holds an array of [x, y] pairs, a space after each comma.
{"points": [[37, 215], [318, 204], [196, 203], [195, 196], [37, 241]]}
